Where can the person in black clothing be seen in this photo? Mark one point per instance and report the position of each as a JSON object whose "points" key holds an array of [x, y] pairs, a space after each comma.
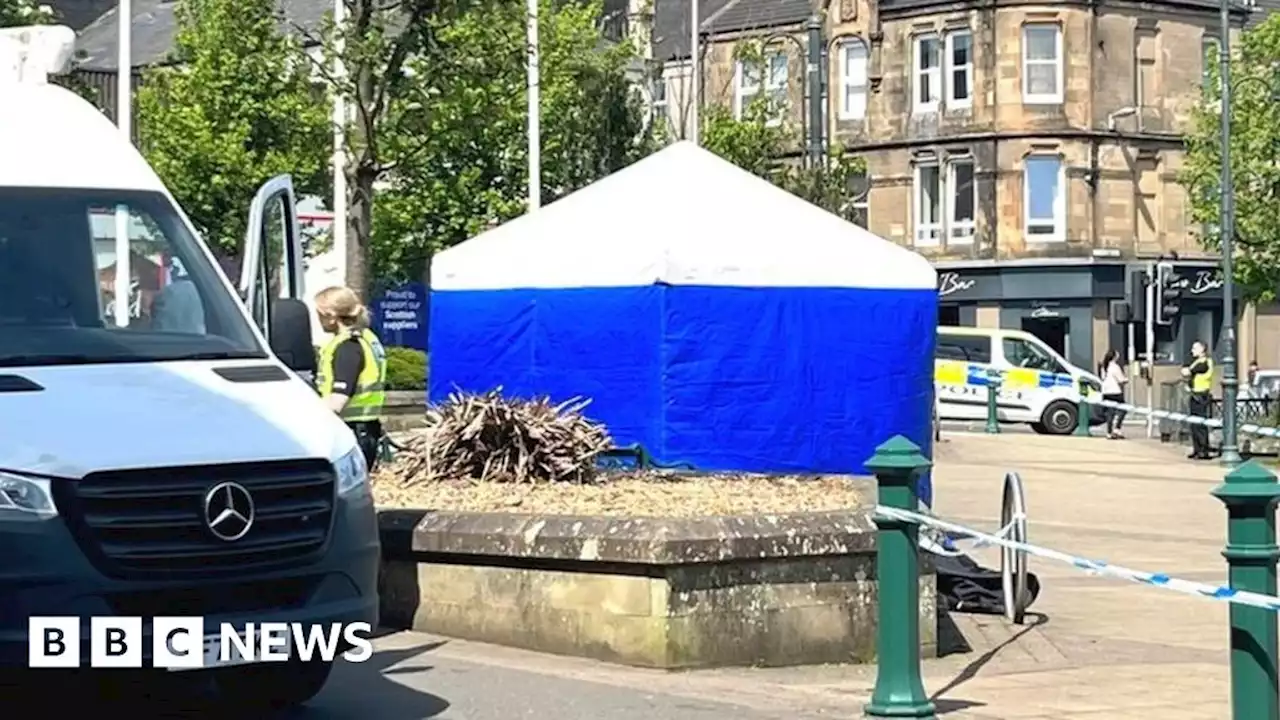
{"points": [[1199, 377], [350, 388]]}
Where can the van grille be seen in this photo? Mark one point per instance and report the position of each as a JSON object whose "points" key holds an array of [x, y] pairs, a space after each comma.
{"points": [[150, 522]]}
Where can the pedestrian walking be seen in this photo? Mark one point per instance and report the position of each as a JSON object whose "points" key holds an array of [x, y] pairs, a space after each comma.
{"points": [[1114, 382], [1199, 376], [352, 373]]}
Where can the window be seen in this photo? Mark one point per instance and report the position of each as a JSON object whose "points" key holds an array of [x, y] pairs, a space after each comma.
{"points": [[1042, 64], [944, 201], [928, 203], [659, 106], [1022, 354], [853, 80], [948, 315], [860, 200], [1044, 198], [1209, 59], [59, 262], [961, 199], [928, 73], [966, 348], [960, 72], [765, 82]]}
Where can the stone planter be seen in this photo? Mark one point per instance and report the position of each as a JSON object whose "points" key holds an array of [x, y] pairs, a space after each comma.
{"points": [[666, 593]]}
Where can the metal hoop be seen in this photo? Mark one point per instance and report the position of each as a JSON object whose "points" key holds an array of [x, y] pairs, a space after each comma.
{"points": [[1013, 563]]}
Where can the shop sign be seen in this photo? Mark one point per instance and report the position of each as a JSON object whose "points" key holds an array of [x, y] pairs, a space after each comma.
{"points": [[950, 283]]}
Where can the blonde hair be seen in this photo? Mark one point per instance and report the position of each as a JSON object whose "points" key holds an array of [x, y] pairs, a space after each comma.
{"points": [[342, 304]]}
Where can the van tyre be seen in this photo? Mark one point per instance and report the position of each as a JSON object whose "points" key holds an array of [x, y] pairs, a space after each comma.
{"points": [[1059, 418], [1039, 428], [272, 686]]}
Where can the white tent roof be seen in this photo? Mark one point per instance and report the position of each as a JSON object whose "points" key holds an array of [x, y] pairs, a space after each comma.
{"points": [[682, 216]]}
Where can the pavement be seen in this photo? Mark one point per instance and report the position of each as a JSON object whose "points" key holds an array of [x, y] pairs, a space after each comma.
{"points": [[1093, 649]]}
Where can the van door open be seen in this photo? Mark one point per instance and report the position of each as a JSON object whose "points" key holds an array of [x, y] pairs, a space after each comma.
{"points": [[271, 274]]}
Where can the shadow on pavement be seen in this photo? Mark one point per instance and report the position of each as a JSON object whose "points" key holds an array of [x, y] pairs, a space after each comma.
{"points": [[354, 691]]}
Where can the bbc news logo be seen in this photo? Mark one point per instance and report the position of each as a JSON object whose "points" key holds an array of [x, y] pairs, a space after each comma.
{"points": [[180, 643]]}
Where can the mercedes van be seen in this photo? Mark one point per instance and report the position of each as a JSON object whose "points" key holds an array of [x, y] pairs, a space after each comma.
{"points": [[159, 455], [1038, 386]]}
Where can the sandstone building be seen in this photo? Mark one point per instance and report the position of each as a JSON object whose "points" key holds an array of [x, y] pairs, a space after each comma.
{"points": [[1030, 150]]}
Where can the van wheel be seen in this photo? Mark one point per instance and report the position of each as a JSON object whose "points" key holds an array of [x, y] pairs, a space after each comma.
{"points": [[272, 686], [1039, 428], [1059, 418]]}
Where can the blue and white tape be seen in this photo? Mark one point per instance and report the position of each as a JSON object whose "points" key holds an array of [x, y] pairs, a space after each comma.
{"points": [[1247, 428], [1097, 567]]}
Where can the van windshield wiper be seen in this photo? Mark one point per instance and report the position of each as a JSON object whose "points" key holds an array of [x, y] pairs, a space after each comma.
{"points": [[33, 360]]}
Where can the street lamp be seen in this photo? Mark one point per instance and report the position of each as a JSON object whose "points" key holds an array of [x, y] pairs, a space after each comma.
{"points": [[1227, 228]]}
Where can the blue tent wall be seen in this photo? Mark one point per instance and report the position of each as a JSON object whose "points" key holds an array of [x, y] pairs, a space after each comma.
{"points": [[734, 379], [597, 343]]}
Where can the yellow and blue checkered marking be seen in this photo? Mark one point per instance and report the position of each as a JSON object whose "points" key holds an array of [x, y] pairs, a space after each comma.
{"points": [[950, 372]]}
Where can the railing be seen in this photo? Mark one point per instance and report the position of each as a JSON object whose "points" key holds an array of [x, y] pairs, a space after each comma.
{"points": [[1173, 398], [1250, 494]]}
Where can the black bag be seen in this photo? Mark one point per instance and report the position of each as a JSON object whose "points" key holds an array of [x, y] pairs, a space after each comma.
{"points": [[966, 586]]}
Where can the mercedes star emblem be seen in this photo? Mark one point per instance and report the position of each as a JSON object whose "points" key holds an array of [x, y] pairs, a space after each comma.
{"points": [[228, 511]]}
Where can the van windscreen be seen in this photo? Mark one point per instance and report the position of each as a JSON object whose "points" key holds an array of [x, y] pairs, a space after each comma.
{"points": [[59, 261]]}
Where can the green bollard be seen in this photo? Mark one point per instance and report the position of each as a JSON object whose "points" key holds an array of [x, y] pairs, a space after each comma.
{"points": [[899, 691], [1084, 415], [993, 396], [1250, 494]]}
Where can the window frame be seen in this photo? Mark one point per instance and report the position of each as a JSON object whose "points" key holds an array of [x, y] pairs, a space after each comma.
{"points": [[951, 190], [935, 74], [846, 84], [1059, 218], [1058, 62], [952, 102], [936, 230], [745, 93]]}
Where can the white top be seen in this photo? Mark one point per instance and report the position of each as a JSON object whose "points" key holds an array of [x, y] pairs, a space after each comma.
{"points": [[1113, 379], [51, 137], [682, 216]]}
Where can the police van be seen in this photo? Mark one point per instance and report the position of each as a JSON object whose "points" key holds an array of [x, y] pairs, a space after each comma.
{"points": [[159, 455], [1037, 386]]}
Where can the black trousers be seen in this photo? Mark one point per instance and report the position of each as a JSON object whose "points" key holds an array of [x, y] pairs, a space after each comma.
{"points": [[1199, 405], [1114, 417], [368, 437]]}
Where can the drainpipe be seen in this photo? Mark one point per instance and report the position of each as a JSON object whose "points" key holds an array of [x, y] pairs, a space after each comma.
{"points": [[814, 74]]}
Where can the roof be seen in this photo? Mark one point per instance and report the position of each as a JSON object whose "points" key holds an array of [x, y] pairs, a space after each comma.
{"points": [[671, 20], [79, 14], [155, 26], [771, 239], [51, 137]]}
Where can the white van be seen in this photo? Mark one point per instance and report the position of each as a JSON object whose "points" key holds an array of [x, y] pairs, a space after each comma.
{"points": [[1038, 386], [159, 455]]}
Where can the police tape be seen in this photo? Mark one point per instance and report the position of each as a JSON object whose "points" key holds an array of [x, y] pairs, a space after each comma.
{"points": [[1096, 567], [1247, 428]]}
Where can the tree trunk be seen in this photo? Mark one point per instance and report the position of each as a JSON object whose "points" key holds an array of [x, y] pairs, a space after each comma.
{"points": [[360, 232]]}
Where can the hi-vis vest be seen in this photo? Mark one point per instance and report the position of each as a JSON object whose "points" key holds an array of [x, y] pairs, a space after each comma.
{"points": [[1204, 381], [370, 392]]}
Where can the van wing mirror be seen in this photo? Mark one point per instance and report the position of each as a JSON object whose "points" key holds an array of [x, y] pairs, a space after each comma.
{"points": [[291, 335]]}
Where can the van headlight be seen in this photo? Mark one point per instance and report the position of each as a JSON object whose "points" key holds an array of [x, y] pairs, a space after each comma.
{"points": [[353, 474], [30, 496]]}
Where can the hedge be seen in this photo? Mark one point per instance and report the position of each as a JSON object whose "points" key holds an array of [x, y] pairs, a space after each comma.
{"points": [[406, 369]]}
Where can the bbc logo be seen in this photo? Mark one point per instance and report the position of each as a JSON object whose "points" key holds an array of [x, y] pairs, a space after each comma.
{"points": [[179, 643]]}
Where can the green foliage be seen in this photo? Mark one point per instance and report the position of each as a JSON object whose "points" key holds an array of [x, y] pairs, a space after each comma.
{"points": [[235, 109], [756, 142], [462, 150], [1255, 149], [406, 369], [25, 12]]}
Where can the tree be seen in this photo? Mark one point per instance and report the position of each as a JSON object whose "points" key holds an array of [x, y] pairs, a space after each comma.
{"points": [[234, 109], [771, 150], [1255, 161], [470, 168], [437, 89], [25, 12]]}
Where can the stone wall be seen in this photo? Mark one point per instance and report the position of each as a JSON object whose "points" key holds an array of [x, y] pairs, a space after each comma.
{"points": [[664, 593]]}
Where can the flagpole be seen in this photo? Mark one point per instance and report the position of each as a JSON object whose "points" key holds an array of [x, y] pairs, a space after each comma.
{"points": [[535, 120], [695, 73]]}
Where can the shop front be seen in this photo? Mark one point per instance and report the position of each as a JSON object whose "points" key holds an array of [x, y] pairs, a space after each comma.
{"points": [[1066, 304]]}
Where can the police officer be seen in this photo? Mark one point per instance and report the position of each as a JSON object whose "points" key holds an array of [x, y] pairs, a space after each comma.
{"points": [[1199, 376], [352, 373]]}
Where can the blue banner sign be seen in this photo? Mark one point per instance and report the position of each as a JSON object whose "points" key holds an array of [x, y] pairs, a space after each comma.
{"points": [[399, 316]]}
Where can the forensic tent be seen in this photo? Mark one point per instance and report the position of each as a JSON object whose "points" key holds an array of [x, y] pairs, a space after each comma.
{"points": [[710, 316]]}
